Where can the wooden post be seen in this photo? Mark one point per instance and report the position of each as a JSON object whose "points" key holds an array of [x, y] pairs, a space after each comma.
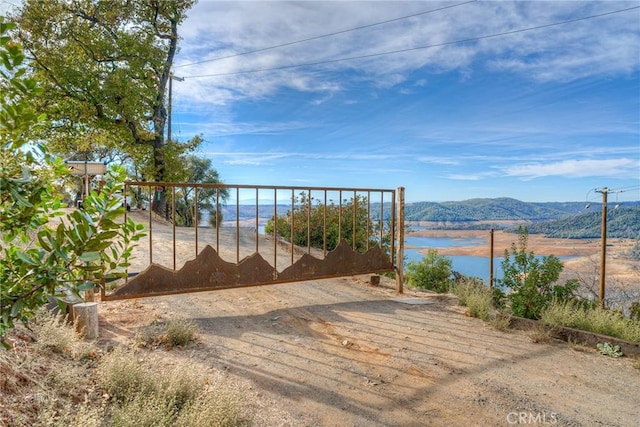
{"points": [[603, 252], [86, 318], [491, 259], [400, 248]]}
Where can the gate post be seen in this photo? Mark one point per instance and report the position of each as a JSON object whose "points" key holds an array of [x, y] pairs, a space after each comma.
{"points": [[400, 247]]}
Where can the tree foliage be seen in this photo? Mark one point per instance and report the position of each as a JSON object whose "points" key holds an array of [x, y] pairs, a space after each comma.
{"points": [[432, 272], [104, 67], [196, 170], [502, 208], [311, 221], [532, 281], [623, 222], [39, 258]]}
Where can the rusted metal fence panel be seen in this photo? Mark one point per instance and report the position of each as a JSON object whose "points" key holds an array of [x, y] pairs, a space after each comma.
{"points": [[256, 235]]}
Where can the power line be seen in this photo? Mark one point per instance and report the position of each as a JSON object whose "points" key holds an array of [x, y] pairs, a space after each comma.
{"points": [[325, 35], [371, 55]]}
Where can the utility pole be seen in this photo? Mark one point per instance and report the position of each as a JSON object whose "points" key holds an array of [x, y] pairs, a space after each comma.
{"points": [[491, 259], [171, 79], [603, 242]]}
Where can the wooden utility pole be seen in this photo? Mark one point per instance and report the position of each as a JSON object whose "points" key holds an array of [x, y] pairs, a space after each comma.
{"points": [[603, 251], [400, 248], [169, 106], [491, 259]]}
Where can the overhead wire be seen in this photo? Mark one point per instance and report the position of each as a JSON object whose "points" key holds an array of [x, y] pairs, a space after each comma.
{"points": [[372, 55], [326, 35]]}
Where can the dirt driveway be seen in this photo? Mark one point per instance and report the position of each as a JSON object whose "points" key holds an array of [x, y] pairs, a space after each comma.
{"points": [[344, 353]]}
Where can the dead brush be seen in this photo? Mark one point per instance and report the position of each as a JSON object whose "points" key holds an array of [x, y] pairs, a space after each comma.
{"points": [[540, 334], [54, 334], [142, 394], [121, 375], [181, 332]]}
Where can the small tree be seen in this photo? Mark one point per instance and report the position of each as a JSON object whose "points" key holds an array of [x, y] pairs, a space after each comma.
{"points": [[191, 168], [309, 226], [532, 280], [432, 272], [40, 258]]}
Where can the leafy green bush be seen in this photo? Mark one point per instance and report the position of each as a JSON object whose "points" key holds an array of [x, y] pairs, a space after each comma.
{"points": [[432, 272], [38, 259], [532, 280], [608, 349]]}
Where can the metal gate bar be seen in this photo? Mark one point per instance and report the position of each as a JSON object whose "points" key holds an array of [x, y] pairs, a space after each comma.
{"points": [[374, 253]]}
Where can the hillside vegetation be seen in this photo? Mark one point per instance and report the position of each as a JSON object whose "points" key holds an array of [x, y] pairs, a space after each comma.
{"points": [[498, 209], [554, 219], [622, 222]]}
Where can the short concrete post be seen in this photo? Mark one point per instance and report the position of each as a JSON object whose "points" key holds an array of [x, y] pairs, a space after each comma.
{"points": [[86, 318]]}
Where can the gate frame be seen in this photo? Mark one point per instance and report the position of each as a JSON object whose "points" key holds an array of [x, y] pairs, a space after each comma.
{"points": [[395, 233]]}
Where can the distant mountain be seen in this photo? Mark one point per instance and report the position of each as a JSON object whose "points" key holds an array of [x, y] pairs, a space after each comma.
{"points": [[623, 222], [555, 219], [499, 209]]}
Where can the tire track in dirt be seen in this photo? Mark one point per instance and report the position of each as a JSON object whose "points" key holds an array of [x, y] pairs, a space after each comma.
{"points": [[340, 352]]}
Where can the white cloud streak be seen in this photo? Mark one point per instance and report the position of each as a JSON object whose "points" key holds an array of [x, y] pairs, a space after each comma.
{"points": [[601, 46], [621, 168]]}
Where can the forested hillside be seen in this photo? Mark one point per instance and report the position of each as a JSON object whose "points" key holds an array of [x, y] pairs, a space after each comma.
{"points": [[622, 222], [490, 210], [555, 219]]}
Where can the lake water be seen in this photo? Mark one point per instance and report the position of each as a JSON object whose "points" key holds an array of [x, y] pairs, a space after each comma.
{"points": [[474, 266]]}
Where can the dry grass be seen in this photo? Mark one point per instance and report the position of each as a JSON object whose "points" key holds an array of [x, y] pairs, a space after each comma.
{"points": [[540, 334], [501, 321], [181, 332], [53, 333], [52, 377], [477, 298], [605, 322], [178, 332]]}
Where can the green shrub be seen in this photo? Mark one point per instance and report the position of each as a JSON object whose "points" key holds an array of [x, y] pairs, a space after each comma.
{"points": [[318, 224], [608, 349], [38, 259], [432, 272], [532, 280]]}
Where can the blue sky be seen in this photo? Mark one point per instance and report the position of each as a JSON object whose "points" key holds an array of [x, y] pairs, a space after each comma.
{"points": [[541, 115]]}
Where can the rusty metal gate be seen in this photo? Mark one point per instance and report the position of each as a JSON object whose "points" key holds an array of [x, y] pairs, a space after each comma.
{"points": [[214, 236]]}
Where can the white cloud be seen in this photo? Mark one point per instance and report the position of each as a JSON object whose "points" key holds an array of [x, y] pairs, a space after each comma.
{"points": [[623, 168], [600, 46], [439, 160], [470, 176]]}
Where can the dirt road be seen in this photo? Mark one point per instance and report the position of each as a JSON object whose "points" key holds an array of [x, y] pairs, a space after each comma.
{"points": [[344, 353], [341, 352]]}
